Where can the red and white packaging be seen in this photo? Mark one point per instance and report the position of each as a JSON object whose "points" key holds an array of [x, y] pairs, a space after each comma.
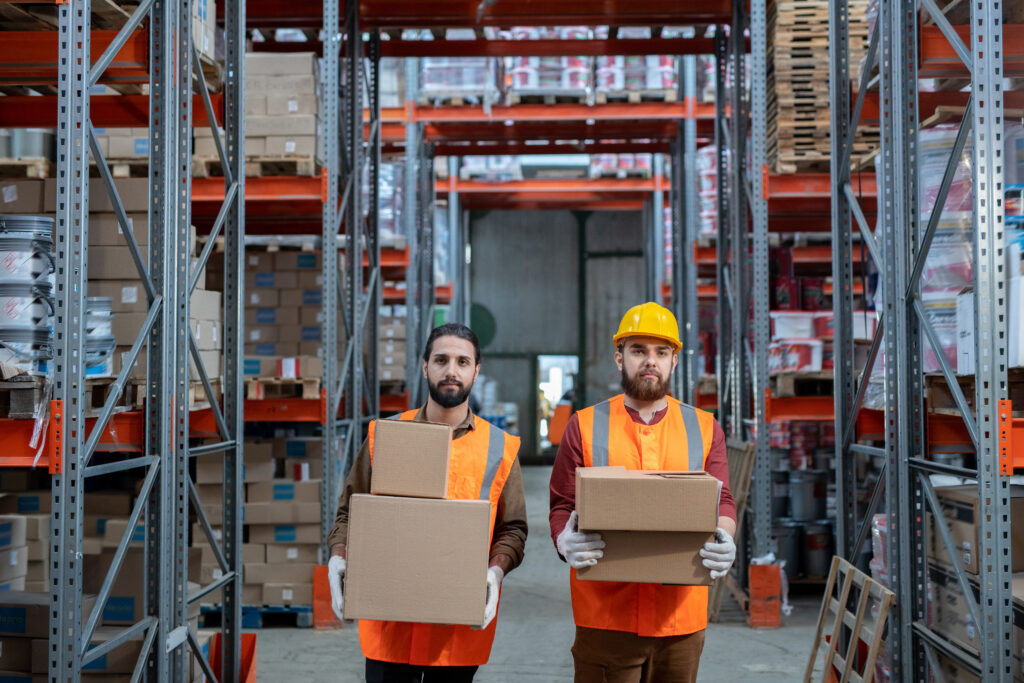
{"points": [[795, 355], [793, 324]]}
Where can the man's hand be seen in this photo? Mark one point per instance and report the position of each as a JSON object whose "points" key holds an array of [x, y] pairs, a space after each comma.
{"points": [[494, 577], [719, 555], [336, 577], [579, 549]]}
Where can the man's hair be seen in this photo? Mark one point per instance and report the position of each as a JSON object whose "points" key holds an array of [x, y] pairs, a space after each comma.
{"points": [[452, 330]]}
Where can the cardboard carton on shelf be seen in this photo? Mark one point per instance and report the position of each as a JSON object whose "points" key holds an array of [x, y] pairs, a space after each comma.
{"points": [[27, 614], [287, 534], [446, 540], [960, 508], [288, 593], [411, 459], [653, 523]]}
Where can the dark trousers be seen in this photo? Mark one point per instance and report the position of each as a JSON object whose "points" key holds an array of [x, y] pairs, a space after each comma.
{"points": [[619, 657], [389, 672]]}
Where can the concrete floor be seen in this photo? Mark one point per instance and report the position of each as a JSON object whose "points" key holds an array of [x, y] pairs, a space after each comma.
{"points": [[535, 628]]}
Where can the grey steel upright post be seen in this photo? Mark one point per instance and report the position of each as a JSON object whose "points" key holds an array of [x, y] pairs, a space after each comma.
{"points": [[685, 263], [353, 392], [234, 337], [410, 224], [680, 377], [425, 243], [722, 179], [990, 339], [456, 250], [903, 401], [658, 227], [735, 284], [369, 311], [331, 217], [762, 488], [69, 338]]}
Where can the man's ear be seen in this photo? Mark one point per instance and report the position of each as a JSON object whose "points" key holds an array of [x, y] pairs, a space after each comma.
{"points": [[423, 366], [618, 360]]}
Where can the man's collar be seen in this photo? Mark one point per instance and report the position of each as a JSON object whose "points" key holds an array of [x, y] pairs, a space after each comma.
{"points": [[468, 423]]}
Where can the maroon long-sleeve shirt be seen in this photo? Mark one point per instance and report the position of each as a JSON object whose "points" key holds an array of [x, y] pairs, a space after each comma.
{"points": [[570, 456]]}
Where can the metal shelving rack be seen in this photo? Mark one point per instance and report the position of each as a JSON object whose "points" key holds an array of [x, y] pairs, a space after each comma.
{"points": [[900, 248], [169, 281]]}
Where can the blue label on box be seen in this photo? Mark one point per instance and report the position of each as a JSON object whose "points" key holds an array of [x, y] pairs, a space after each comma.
{"points": [[251, 366], [306, 262], [284, 534], [265, 350], [284, 491], [264, 279], [120, 608], [13, 619], [311, 333], [142, 146], [101, 527], [6, 532], [16, 678], [98, 664], [28, 504], [139, 535], [312, 297], [266, 316], [295, 449]]}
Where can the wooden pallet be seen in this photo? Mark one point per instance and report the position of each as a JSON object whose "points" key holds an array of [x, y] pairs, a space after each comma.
{"points": [[741, 456], [271, 387], [133, 167], [633, 96], [259, 166], [460, 99], [857, 606], [98, 391], [530, 97], [21, 396], [26, 168], [789, 384], [622, 173]]}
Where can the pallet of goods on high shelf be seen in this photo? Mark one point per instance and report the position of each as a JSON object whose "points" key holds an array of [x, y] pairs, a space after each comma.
{"points": [[798, 95], [457, 81], [651, 78], [27, 153], [621, 165], [549, 80], [391, 350], [281, 119]]}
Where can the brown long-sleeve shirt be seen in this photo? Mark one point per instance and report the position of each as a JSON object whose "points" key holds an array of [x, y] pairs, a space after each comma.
{"points": [[570, 456], [510, 526]]}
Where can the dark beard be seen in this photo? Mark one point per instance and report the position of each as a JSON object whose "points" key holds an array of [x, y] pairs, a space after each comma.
{"points": [[446, 399], [643, 390]]}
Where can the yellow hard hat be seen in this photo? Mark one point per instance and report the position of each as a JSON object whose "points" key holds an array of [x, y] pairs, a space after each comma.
{"points": [[649, 320]]}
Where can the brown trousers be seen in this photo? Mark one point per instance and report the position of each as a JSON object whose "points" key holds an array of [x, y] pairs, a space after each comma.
{"points": [[621, 657]]}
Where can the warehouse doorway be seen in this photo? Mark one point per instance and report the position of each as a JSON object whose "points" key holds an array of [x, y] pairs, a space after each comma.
{"points": [[556, 397]]}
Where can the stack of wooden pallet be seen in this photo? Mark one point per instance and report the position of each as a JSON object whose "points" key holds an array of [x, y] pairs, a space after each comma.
{"points": [[798, 95]]}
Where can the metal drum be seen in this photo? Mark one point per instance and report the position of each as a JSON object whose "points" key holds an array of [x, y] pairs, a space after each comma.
{"points": [[818, 545], [807, 494], [788, 536], [25, 306], [780, 494], [98, 318], [25, 246], [5, 143], [28, 351], [33, 143], [99, 337]]}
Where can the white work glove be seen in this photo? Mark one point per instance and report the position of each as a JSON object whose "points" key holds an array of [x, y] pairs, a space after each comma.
{"points": [[579, 549], [718, 557], [494, 577], [336, 577]]}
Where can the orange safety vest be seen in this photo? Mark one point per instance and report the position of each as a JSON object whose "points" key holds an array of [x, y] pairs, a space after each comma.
{"points": [[479, 465], [680, 441]]}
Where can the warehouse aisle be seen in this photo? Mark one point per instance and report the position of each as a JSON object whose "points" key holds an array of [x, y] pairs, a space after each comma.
{"points": [[535, 629]]}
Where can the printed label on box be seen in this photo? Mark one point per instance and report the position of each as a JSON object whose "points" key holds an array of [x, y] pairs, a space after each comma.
{"points": [[10, 194], [129, 295], [284, 534], [13, 619], [293, 106], [284, 492], [119, 609], [289, 146]]}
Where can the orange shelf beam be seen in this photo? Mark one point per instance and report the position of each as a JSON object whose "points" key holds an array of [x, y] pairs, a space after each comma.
{"points": [[939, 60], [106, 111], [30, 57], [389, 403], [636, 111], [554, 186]]}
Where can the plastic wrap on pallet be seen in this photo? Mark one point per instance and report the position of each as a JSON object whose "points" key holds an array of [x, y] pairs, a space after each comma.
{"points": [[566, 75], [495, 168]]}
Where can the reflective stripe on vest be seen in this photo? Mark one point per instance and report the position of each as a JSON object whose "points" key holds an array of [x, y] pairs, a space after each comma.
{"points": [[495, 455], [600, 447], [694, 440]]}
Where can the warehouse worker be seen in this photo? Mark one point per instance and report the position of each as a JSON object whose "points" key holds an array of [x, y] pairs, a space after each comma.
{"points": [[631, 632], [401, 652]]}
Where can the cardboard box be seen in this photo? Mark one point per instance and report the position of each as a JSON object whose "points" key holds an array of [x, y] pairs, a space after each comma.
{"points": [[284, 533], [392, 347], [105, 231], [12, 531], [14, 656], [18, 480], [614, 498], [447, 542], [309, 279], [38, 550], [209, 336], [40, 571], [126, 296], [111, 503], [665, 557], [308, 447], [392, 331], [268, 298], [297, 261], [304, 367], [301, 297], [115, 529], [312, 349], [284, 490], [15, 584], [259, 261], [289, 554], [120, 660], [262, 334], [26, 196], [267, 64], [206, 304], [299, 333], [271, 316], [288, 593], [124, 607], [291, 145], [37, 527], [305, 469], [259, 84], [311, 315], [251, 553], [13, 563], [283, 105], [282, 513], [391, 373], [27, 615], [271, 280], [410, 459], [272, 349], [279, 573], [26, 502], [960, 508], [294, 124]]}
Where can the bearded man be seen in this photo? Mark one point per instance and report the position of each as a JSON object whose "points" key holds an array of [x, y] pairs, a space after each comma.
{"points": [[405, 652], [633, 632]]}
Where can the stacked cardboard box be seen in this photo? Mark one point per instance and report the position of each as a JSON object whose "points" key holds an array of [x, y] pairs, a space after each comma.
{"points": [[407, 522], [391, 349], [281, 101], [25, 629]]}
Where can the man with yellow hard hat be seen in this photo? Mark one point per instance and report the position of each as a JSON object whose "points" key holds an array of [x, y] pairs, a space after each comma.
{"points": [[632, 632]]}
